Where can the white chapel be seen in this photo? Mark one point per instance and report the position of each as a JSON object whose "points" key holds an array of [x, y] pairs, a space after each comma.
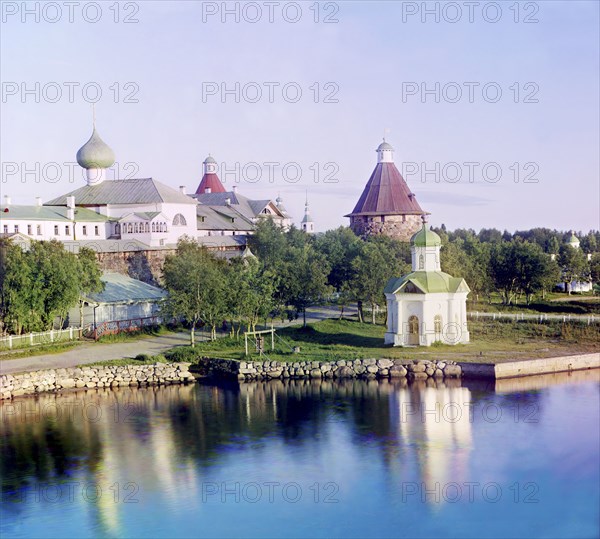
{"points": [[426, 305]]}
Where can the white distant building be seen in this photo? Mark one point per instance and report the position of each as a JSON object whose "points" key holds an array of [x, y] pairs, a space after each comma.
{"points": [[427, 305], [575, 285]]}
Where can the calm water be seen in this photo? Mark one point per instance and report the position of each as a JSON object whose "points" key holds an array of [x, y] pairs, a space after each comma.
{"points": [[355, 459]]}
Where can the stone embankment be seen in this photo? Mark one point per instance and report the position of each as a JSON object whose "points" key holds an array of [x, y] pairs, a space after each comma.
{"points": [[358, 368], [31, 383]]}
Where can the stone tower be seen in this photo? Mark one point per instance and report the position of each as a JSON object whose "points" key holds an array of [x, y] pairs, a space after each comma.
{"points": [[387, 206]]}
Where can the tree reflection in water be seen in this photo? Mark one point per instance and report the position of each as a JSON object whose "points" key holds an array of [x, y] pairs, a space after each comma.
{"points": [[167, 438]]}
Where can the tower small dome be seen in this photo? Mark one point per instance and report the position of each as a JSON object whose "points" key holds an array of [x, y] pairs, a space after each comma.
{"points": [[95, 153], [210, 159], [426, 238], [384, 146]]}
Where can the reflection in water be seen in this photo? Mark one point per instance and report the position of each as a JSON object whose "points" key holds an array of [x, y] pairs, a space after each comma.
{"points": [[160, 446]]}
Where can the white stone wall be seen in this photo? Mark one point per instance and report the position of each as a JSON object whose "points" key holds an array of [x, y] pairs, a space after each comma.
{"points": [[450, 306], [47, 230]]}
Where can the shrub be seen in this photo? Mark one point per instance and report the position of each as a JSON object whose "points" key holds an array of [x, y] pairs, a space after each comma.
{"points": [[185, 354], [143, 357]]}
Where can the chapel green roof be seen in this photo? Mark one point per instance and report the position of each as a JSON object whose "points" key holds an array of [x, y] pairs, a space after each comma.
{"points": [[427, 282]]}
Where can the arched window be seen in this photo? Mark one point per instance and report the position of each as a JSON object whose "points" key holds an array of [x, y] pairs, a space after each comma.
{"points": [[437, 324], [117, 228], [421, 262], [136, 228], [160, 227], [179, 220], [147, 227], [153, 227], [130, 228]]}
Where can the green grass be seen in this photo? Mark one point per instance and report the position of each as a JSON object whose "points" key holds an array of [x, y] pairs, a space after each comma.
{"points": [[491, 341], [141, 359], [554, 304]]}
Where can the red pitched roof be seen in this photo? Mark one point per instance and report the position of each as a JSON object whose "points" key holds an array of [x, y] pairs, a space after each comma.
{"points": [[387, 193], [211, 181]]}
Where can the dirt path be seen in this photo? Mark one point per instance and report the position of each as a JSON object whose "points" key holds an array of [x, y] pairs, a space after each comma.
{"points": [[93, 352]]}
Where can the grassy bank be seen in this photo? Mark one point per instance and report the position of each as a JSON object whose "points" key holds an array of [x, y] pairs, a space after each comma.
{"points": [[553, 304], [328, 340]]}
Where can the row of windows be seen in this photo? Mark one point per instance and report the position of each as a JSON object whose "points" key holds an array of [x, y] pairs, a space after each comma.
{"points": [[139, 228], [84, 230]]}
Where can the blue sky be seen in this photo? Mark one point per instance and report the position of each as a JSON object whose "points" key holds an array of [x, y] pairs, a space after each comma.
{"points": [[374, 52]]}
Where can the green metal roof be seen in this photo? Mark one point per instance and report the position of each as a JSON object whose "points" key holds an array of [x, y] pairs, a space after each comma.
{"points": [[135, 191], [426, 238], [427, 282], [120, 288], [50, 213]]}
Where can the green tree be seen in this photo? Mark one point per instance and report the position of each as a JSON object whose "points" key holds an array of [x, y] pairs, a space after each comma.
{"points": [[588, 243], [56, 280], [595, 267], [89, 281], [503, 270], [304, 278], [573, 264], [16, 292], [250, 293], [195, 281], [41, 284], [535, 269], [372, 270]]}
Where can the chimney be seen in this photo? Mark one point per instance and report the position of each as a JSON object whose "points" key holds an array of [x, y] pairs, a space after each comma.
{"points": [[182, 190], [207, 190], [71, 208], [6, 200], [228, 201], [38, 201]]}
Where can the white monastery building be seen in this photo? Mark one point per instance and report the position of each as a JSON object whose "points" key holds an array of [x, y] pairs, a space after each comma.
{"points": [[427, 305], [139, 214]]}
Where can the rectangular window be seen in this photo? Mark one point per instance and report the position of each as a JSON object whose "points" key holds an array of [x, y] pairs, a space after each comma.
{"points": [[29, 230], [84, 230], [16, 228], [56, 230], [96, 230], [6, 229], [67, 231], [39, 230]]}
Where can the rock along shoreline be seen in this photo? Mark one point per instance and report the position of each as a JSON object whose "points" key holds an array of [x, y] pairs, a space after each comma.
{"points": [[90, 377], [247, 371], [53, 380]]}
